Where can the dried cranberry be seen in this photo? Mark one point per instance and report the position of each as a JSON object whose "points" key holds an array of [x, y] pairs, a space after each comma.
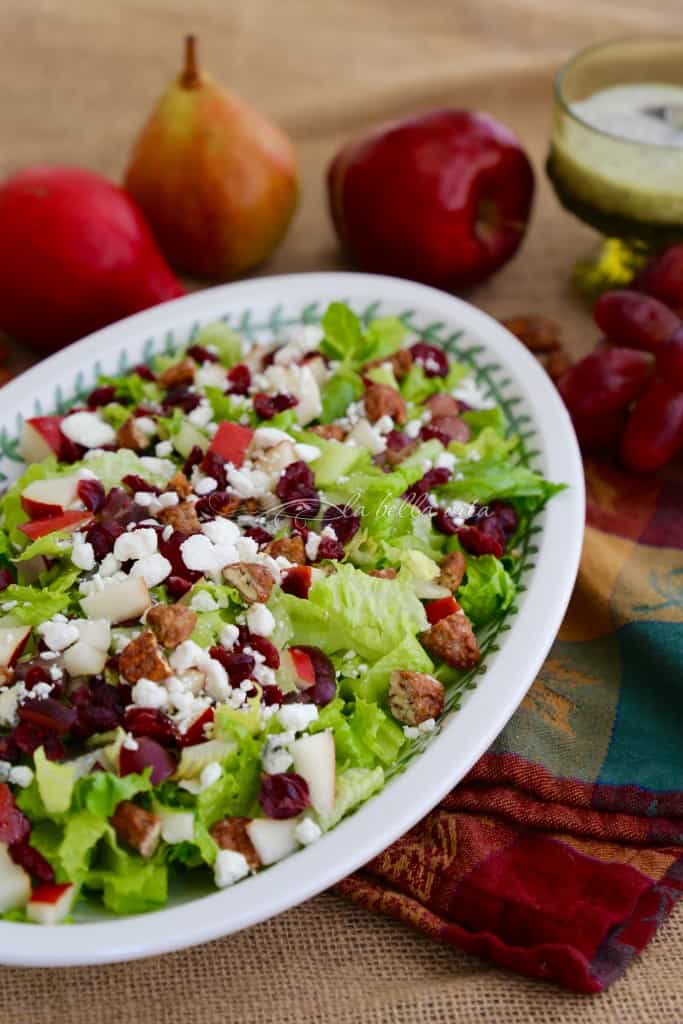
{"points": [[137, 483], [444, 523], [480, 542], [14, 826], [266, 648], [69, 451], [91, 493], [239, 378], [48, 714], [272, 694], [436, 477], [201, 354], [6, 577], [27, 738], [258, 534], [143, 371], [344, 520], [151, 722], [34, 673], [267, 406], [505, 517], [283, 795], [446, 429], [102, 536], [170, 549], [181, 398], [117, 504], [237, 664], [296, 489], [8, 749], [101, 396], [433, 360], [213, 465], [32, 862], [193, 459], [397, 441], [106, 696], [331, 548], [176, 586], [297, 581]]}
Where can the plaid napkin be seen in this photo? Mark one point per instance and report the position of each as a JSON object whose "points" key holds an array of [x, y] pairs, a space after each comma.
{"points": [[561, 852]]}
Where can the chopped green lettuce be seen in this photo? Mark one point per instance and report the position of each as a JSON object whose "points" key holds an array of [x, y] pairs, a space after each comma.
{"points": [[224, 341], [488, 589], [353, 787]]}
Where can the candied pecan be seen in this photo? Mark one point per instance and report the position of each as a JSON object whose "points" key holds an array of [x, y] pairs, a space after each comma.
{"points": [[172, 623], [453, 640], [248, 507], [453, 568], [537, 333], [253, 581], [231, 834], [291, 548], [384, 574], [143, 659], [179, 374], [555, 363], [400, 362], [180, 484], [129, 435], [382, 400], [443, 404], [182, 517], [137, 827], [328, 431], [414, 696]]}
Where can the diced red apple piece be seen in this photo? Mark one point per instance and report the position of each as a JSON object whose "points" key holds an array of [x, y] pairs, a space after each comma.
{"points": [[40, 437], [273, 838], [15, 884], [231, 442], [195, 732], [13, 639], [314, 761], [296, 669], [44, 498], [118, 602], [50, 904], [437, 610], [70, 521]]}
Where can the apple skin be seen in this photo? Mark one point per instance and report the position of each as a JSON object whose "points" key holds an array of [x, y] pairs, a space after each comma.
{"points": [[442, 198], [71, 520], [231, 442], [76, 255]]}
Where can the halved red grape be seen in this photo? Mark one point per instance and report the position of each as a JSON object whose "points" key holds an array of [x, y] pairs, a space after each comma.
{"points": [[91, 492], [433, 360], [632, 319], [48, 714], [148, 754], [283, 795]]}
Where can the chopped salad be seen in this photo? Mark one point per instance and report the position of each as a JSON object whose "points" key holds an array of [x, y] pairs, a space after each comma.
{"points": [[238, 586]]}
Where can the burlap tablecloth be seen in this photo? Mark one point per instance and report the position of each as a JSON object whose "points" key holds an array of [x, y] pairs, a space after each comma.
{"points": [[77, 78]]}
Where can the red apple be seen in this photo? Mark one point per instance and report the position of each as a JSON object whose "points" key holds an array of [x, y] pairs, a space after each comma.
{"points": [[439, 609], [41, 436], [44, 499], [231, 442], [50, 903], [77, 254], [13, 639], [298, 580], [67, 521], [443, 197], [195, 732], [296, 667]]}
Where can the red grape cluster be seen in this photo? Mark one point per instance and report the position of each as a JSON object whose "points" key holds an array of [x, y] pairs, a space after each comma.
{"points": [[628, 393]]}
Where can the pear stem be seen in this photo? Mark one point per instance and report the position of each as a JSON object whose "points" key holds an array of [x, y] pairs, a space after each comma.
{"points": [[190, 77]]}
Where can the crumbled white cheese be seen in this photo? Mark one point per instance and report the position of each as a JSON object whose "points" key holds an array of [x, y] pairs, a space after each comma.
{"points": [[221, 531], [10, 696], [229, 867], [228, 636], [148, 694], [260, 620], [217, 682], [169, 499], [312, 545], [307, 832], [205, 485], [199, 553], [163, 448], [153, 568], [202, 601], [297, 717], [87, 429], [58, 635], [137, 544], [275, 756], [201, 415], [446, 460], [146, 425], [129, 742], [412, 428], [307, 452], [411, 732], [21, 775], [82, 553]]}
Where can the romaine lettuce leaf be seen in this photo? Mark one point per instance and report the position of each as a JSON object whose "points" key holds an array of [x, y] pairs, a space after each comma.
{"points": [[353, 787], [227, 344], [487, 591], [351, 609]]}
